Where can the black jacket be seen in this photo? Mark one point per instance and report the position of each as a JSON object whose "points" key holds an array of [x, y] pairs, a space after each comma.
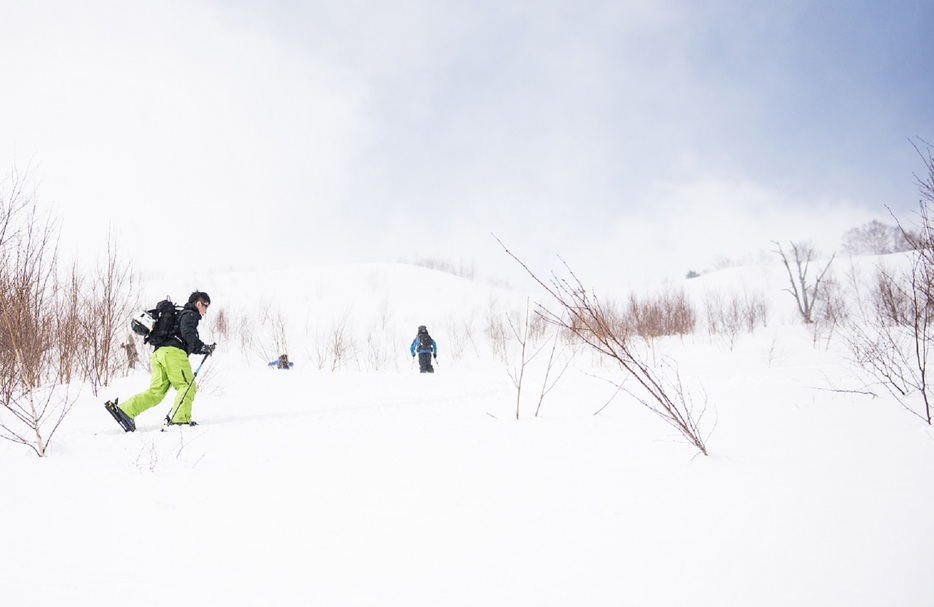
{"points": [[188, 320]]}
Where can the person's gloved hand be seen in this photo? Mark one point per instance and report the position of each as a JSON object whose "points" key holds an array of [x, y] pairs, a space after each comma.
{"points": [[208, 349], [436, 356]]}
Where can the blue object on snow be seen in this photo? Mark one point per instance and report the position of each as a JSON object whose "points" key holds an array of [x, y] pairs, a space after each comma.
{"points": [[282, 362]]}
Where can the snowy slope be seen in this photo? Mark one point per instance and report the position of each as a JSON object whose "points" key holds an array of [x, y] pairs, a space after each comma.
{"points": [[374, 485]]}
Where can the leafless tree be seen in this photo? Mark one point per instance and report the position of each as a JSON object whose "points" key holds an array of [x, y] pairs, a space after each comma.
{"points": [[806, 293]]}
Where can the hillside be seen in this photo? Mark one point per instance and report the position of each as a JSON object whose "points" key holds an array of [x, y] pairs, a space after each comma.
{"points": [[354, 480]]}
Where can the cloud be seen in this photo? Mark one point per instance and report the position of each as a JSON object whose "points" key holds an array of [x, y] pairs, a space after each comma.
{"points": [[325, 131], [174, 119], [680, 227]]}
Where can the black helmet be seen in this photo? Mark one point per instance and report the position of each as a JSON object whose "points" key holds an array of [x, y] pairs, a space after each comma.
{"points": [[422, 329]]}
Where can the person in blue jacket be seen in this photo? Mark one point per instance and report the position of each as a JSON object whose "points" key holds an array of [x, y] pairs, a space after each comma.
{"points": [[282, 362], [426, 348]]}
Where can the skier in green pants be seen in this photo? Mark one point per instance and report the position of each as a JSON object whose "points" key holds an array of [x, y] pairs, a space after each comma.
{"points": [[170, 365]]}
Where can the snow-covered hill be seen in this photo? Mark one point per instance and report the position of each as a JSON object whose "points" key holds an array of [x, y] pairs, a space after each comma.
{"points": [[374, 485]]}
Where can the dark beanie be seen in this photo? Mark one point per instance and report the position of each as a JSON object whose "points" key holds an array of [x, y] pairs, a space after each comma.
{"points": [[199, 295]]}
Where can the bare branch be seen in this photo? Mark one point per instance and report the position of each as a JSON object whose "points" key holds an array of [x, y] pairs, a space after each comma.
{"points": [[598, 326]]}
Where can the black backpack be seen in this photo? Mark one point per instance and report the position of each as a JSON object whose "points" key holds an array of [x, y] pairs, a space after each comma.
{"points": [[159, 325], [424, 341]]}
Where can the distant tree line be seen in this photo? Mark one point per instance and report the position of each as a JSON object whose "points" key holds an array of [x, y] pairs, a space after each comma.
{"points": [[872, 238], [877, 238]]}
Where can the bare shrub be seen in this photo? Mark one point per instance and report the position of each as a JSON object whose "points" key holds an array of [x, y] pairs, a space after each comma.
{"points": [[104, 308], [892, 340], [831, 312], [457, 337], [521, 333], [246, 329], [755, 310], [377, 353], [893, 343], [31, 405], [538, 328], [725, 317], [277, 336], [334, 348], [669, 313], [340, 344], [680, 315], [645, 318], [67, 319], [530, 334], [712, 309], [497, 330], [268, 337], [658, 389], [555, 368], [462, 334], [729, 315], [891, 301], [378, 350], [220, 324]]}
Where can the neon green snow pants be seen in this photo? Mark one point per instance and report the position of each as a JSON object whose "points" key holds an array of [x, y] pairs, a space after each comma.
{"points": [[170, 367]]}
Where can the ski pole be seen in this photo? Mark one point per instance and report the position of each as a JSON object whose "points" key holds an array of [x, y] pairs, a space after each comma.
{"points": [[182, 399]]}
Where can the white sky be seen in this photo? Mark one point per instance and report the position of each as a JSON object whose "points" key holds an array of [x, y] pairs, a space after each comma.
{"points": [[376, 131]]}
